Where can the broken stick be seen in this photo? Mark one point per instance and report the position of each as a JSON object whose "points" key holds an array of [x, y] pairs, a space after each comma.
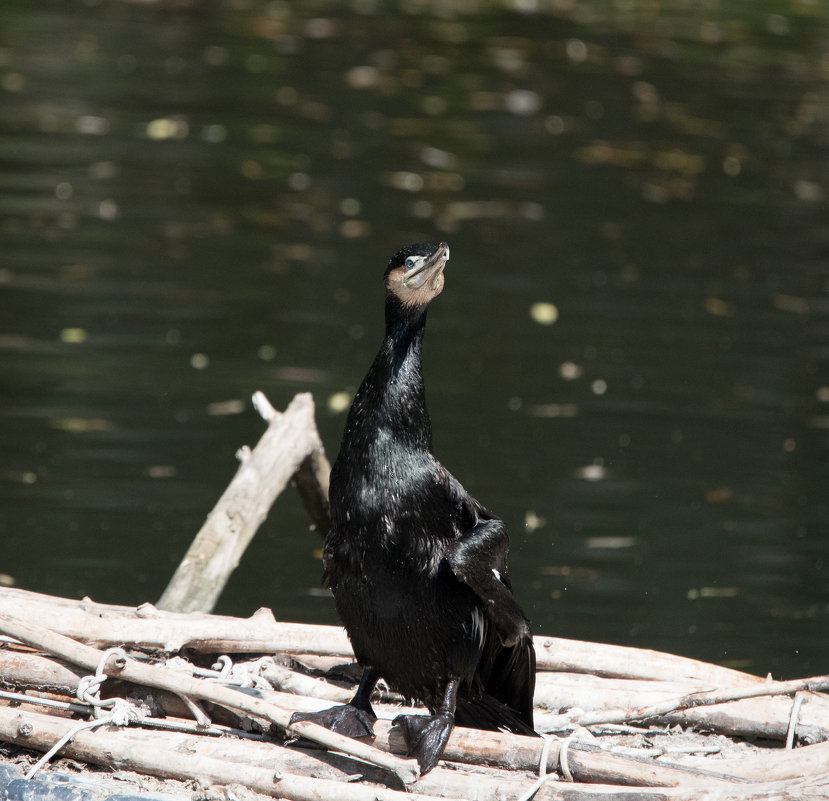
{"points": [[290, 446]]}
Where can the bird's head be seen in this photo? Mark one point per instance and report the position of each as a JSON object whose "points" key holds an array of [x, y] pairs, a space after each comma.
{"points": [[415, 273]]}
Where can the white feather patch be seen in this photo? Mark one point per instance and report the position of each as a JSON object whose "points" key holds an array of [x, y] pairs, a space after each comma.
{"points": [[478, 623]]}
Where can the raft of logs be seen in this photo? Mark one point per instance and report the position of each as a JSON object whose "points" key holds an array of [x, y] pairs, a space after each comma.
{"points": [[100, 701]]}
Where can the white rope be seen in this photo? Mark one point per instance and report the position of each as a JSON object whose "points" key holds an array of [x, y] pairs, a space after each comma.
{"points": [[87, 724], [562, 758], [120, 711], [799, 698], [67, 706], [247, 675], [543, 776]]}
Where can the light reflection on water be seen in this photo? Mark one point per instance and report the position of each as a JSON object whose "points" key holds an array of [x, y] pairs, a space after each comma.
{"points": [[198, 204]]}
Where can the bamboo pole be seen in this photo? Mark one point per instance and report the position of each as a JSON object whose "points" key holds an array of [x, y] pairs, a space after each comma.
{"points": [[290, 442]]}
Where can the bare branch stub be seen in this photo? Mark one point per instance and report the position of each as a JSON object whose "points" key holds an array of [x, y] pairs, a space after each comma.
{"points": [[289, 448]]}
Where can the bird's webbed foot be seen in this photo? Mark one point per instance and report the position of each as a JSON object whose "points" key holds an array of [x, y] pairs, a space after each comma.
{"points": [[354, 719], [426, 736], [346, 719]]}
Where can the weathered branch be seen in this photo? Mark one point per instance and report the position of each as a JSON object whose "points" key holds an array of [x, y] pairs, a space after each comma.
{"points": [[312, 476], [624, 662], [754, 710], [698, 699], [290, 442]]}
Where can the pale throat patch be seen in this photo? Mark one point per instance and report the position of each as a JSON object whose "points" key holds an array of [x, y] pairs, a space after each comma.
{"points": [[411, 296]]}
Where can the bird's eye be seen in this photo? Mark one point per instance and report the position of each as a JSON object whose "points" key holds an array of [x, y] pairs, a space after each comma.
{"points": [[409, 263]]}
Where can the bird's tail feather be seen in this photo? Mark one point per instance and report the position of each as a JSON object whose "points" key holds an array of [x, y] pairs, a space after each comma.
{"points": [[486, 712]]}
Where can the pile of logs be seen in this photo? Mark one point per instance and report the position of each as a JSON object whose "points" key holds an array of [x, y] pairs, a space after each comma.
{"points": [[174, 692], [617, 716]]}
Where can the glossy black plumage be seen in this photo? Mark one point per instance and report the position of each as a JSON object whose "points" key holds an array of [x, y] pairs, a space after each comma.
{"points": [[417, 566]]}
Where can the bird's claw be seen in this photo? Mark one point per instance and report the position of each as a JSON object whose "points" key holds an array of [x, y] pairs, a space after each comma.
{"points": [[426, 737], [345, 719]]}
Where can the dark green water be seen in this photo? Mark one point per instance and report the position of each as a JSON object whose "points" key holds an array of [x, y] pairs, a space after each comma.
{"points": [[197, 200]]}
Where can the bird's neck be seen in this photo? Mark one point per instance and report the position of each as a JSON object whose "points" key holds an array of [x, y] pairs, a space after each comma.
{"points": [[392, 398]]}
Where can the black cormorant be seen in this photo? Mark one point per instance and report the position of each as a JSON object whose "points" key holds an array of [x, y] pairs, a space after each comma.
{"points": [[417, 566]]}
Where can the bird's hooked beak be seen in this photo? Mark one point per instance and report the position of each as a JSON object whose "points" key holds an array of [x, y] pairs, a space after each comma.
{"points": [[430, 269]]}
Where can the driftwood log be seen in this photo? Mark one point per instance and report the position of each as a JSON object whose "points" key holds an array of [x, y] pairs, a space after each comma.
{"points": [[289, 448]]}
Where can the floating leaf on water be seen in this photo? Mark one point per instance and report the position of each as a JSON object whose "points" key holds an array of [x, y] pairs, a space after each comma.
{"points": [[24, 477], [199, 361], [73, 335], [553, 410], [618, 155], [533, 522], [350, 206], [214, 133], [719, 495], [363, 77], [338, 402], [354, 229], [523, 102], [718, 307], [108, 209], [570, 371], [713, 592], [790, 303], [167, 128], [221, 408], [440, 159], [302, 375], [591, 472], [80, 425], [609, 543], [161, 471], [678, 161], [407, 181], [544, 313]]}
